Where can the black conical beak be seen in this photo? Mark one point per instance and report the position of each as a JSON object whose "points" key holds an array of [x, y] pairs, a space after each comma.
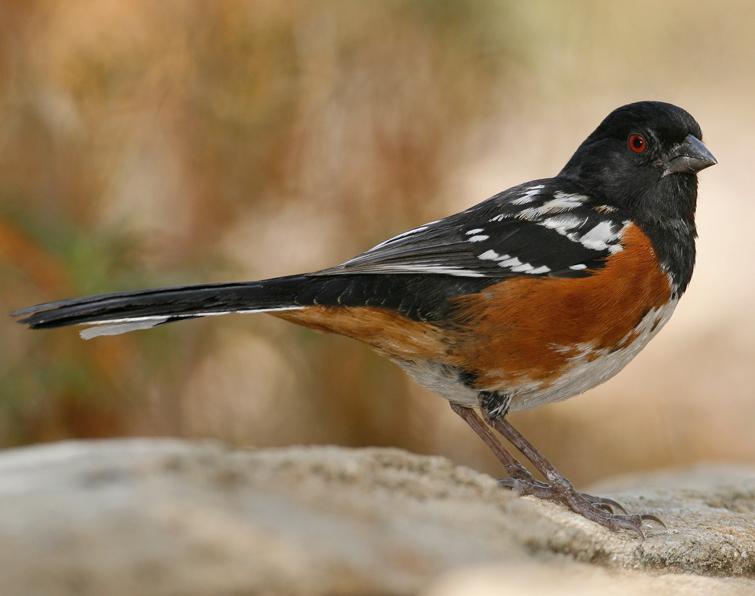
{"points": [[689, 157]]}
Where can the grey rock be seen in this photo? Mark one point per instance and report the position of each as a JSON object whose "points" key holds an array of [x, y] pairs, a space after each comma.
{"points": [[164, 517]]}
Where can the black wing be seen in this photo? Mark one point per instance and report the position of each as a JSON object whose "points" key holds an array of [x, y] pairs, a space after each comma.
{"points": [[542, 228], [545, 227]]}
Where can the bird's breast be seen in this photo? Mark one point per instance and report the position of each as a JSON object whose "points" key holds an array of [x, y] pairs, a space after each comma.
{"points": [[544, 339]]}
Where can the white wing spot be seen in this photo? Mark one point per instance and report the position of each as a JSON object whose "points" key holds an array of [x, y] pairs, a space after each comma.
{"points": [[563, 201], [479, 238], [489, 255], [578, 267], [560, 202], [563, 224], [512, 262], [529, 195], [599, 237], [475, 231]]}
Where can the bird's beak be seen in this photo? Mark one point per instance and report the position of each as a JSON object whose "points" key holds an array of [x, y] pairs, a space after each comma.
{"points": [[689, 157]]}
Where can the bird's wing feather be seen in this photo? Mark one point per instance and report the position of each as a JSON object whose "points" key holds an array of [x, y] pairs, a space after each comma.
{"points": [[539, 228]]}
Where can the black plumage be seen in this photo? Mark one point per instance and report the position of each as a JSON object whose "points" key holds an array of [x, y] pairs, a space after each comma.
{"points": [[566, 226], [481, 307]]}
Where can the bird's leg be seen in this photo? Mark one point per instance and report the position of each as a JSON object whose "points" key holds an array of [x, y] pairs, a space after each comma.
{"points": [[557, 487], [517, 471], [553, 477]]}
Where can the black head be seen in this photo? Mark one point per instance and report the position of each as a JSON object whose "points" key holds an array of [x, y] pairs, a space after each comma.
{"points": [[644, 157]]}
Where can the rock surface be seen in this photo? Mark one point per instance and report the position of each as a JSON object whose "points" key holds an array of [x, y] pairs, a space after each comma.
{"points": [[160, 517]]}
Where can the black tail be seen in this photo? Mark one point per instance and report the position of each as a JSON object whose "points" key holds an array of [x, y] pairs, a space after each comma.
{"points": [[418, 297], [111, 314]]}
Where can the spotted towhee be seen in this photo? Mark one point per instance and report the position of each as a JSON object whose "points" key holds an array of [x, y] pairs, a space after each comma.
{"points": [[537, 294]]}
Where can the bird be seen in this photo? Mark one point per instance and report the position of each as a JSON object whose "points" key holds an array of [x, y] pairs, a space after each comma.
{"points": [[535, 295]]}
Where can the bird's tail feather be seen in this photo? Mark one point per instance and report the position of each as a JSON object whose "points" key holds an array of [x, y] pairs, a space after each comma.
{"points": [[112, 314]]}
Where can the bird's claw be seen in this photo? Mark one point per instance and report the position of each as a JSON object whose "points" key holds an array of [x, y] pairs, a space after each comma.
{"points": [[601, 510]]}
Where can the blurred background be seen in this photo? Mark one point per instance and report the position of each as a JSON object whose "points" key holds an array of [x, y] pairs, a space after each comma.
{"points": [[153, 143]]}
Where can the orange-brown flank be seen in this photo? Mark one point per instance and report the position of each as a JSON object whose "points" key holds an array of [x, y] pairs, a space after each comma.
{"points": [[524, 328], [389, 332]]}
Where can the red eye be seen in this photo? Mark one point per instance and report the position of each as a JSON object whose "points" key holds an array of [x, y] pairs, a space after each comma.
{"points": [[637, 143]]}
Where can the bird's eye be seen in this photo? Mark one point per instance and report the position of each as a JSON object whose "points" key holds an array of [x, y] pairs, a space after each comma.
{"points": [[637, 143]]}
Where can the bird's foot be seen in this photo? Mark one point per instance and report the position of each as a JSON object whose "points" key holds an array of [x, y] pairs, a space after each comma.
{"points": [[601, 510]]}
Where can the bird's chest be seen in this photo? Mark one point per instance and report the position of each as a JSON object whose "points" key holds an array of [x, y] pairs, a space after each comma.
{"points": [[542, 340]]}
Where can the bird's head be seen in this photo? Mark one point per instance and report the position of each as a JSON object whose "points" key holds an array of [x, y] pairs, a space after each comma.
{"points": [[644, 157]]}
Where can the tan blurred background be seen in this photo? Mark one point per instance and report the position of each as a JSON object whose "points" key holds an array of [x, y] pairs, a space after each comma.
{"points": [[151, 143]]}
